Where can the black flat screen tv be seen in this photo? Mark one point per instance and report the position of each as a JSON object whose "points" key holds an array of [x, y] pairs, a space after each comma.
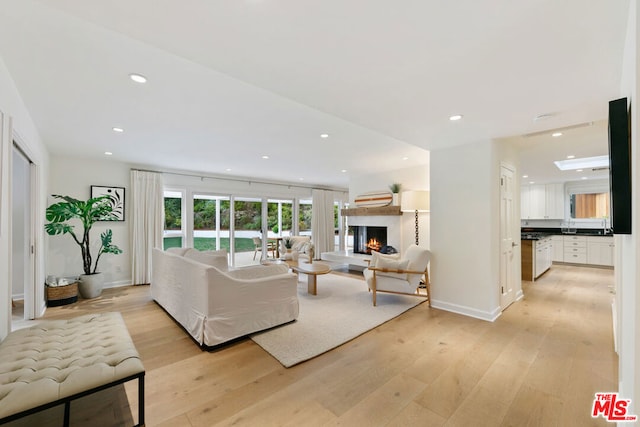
{"points": [[620, 166]]}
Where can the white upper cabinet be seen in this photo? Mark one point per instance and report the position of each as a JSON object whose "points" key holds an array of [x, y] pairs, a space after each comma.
{"points": [[542, 201], [554, 201]]}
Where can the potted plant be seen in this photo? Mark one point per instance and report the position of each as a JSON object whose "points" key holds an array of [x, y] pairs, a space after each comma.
{"points": [[288, 243], [87, 212], [395, 190]]}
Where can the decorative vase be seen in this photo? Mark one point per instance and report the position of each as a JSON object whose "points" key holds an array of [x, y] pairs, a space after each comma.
{"points": [[90, 285], [395, 201]]}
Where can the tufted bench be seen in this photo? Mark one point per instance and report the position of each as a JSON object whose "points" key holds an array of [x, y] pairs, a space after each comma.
{"points": [[58, 361]]}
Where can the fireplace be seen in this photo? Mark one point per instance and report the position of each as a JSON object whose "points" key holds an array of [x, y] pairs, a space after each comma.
{"points": [[366, 238]]}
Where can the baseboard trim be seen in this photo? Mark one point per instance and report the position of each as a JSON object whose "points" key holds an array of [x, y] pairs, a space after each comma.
{"points": [[489, 316], [117, 284]]}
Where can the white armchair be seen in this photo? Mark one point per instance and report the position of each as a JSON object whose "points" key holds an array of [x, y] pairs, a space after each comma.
{"points": [[392, 274]]}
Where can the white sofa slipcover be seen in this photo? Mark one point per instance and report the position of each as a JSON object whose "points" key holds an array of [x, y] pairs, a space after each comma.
{"points": [[215, 306]]}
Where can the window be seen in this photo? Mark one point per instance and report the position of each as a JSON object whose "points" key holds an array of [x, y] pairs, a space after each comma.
{"points": [[210, 222], [247, 236], [279, 217], [590, 205], [173, 236], [304, 218]]}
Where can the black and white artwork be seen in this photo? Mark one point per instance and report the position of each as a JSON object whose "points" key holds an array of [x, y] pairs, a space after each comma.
{"points": [[117, 198]]}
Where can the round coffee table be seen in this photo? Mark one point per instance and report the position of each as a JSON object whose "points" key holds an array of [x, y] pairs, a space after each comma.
{"points": [[312, 271]]}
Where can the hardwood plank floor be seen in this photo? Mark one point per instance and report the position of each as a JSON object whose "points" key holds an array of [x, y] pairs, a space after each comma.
{"points": [[540, 363]]}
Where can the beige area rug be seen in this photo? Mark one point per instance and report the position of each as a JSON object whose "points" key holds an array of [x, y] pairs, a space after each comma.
{"points": [[341, 311]]}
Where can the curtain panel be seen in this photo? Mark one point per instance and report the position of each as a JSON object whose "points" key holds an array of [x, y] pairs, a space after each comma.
{"points": [[322, 222], [147, 196]]}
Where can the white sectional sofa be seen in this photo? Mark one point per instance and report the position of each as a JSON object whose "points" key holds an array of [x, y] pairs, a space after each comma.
{"points": [[215, 304]]}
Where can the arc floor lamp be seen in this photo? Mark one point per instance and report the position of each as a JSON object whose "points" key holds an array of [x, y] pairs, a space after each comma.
{"points": [[415, 201]]}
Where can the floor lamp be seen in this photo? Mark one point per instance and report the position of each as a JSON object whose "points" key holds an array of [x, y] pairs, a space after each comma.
{"points": [[415, 201]]}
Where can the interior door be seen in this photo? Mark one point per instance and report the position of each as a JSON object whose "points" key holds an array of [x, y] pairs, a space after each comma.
{"points": [[22, 260], [508, 241]]}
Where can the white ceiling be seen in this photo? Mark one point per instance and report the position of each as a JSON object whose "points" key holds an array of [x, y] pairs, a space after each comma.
{"points": [[231, 81]]}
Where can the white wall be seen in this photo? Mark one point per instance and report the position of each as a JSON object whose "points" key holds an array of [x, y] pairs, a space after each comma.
{"points": [[627, 254], [17, 124], [416, 178], [73, 177], [465, 237]]}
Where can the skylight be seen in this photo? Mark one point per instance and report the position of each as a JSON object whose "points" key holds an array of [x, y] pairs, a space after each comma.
{"points": [[583, 163]]}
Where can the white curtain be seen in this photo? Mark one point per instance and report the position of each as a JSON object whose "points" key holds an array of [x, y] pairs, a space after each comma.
{"points": [[322, 222], [147, 196]]}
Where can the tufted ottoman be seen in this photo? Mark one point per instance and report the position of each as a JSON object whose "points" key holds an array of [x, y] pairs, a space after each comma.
{"points": [[58, 361]]}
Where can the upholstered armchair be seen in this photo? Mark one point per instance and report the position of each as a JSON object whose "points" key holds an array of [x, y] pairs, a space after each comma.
{"points": [[301, 244], [400, 275]]}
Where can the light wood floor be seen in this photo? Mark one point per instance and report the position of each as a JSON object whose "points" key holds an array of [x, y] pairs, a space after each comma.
{"points": [[540, 364]]}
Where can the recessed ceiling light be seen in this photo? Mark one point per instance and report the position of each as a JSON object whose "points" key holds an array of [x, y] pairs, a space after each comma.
{"points": [[265, 157], [525, 176], [578, 170], [405, 158], [343, 170], [584, 177], [455, 117], [301, 179], [532, 182], [138, 78], [571, 156], [117, 129], [556, 134], [108, 153], [324, 135], [228, 169], [583, 163]]}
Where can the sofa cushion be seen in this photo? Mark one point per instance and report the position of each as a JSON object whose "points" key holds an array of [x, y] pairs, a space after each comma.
{"points": [[217, 259], [177, 251]]}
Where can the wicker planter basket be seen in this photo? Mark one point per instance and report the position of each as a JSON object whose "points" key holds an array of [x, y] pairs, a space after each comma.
{"points": [[62, 295]]}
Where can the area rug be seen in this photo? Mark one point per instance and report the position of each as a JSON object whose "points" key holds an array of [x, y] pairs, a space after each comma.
{"points": [[341, 311]]}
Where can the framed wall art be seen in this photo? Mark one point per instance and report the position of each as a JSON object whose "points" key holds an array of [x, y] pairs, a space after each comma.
{"points": [[117, 198]]}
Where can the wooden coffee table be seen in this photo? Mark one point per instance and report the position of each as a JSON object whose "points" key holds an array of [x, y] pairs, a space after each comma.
{"points": [[312, 271]]}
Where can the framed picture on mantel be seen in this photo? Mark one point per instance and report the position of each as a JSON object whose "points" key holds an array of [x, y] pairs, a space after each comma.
{"points": [[117, 198]]}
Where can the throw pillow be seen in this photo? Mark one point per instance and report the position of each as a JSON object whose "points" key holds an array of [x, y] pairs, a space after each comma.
{"points": [[392, 264], [217, 259], [377, 256]]}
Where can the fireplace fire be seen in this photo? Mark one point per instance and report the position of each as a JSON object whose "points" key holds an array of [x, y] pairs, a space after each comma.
{"points": [[367, 239], [373, 245]]}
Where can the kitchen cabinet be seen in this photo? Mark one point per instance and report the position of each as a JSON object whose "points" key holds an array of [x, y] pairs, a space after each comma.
{"points": [[536, 256], [544, 249], [542, 201], [557, 252], [600, 250], [575, 249]]}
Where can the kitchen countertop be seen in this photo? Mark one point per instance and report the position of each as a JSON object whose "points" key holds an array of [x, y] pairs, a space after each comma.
{"points": [[541, 233]]}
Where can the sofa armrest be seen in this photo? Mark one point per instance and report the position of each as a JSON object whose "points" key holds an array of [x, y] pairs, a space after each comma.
{"points": [[391, 270]]}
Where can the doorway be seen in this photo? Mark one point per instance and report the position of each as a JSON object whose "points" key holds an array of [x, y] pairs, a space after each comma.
{"points": [[22, 236]]}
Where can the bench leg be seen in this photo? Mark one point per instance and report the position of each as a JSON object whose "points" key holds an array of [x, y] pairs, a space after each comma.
{"points": [[141, 400], [67, 409]]}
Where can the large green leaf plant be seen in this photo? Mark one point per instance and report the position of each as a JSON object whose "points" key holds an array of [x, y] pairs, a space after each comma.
{"points": [[87, 212]]}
